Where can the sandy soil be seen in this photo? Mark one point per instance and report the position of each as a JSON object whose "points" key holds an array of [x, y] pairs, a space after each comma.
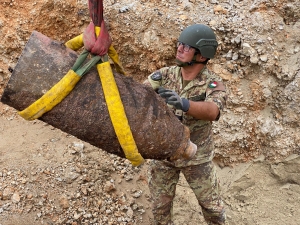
{"points": [[254, 193]]}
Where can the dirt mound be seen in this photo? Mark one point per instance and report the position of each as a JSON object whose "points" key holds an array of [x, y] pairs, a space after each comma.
{"points": [[50, 177]]}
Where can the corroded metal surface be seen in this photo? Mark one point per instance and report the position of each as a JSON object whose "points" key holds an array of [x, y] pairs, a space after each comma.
{"points": [[83, 113]]}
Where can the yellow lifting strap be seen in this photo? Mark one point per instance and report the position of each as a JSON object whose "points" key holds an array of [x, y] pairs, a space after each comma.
{"points": [[77, 42], [52, 97], [116, 109], [112, 96], [117, 114], [60, 90]]}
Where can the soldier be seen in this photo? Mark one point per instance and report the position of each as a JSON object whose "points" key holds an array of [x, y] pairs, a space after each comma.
{"points": [[197, 96]]}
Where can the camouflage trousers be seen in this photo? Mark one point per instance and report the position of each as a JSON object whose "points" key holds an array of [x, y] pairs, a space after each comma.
{"points": [[163, 178]]}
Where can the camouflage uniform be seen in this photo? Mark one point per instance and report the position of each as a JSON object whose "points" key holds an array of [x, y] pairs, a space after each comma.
{"points": [[199, 172]]}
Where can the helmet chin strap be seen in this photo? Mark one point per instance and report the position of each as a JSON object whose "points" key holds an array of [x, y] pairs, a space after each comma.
{"points": [[183, 64]]}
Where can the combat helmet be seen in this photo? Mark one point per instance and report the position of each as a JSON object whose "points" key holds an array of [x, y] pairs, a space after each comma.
{"points": [[201, 37]]}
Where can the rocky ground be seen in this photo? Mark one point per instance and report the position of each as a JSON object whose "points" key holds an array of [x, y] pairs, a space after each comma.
{"points": [[50, 177]]}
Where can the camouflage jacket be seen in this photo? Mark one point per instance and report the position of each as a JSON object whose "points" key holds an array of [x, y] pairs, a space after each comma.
{"points": [[207, 86]]}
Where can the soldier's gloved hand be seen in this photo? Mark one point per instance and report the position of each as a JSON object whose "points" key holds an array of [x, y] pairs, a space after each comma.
{"points": [[163, 92], [160, 90], [172, 98]]}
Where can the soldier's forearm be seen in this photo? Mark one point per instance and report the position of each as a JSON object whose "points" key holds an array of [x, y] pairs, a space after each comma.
{"points": [[203, 110]]}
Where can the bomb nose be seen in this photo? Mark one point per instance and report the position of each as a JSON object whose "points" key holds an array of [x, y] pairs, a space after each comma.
{"points": [[190, 151]]}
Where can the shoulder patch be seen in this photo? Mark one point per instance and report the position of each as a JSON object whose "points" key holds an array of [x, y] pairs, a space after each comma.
{"points": [[156, 76], [213, 84], [216, 86]]}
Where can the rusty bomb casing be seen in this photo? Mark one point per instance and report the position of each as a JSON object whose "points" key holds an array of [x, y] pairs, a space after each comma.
{"points": [[83, 113]]}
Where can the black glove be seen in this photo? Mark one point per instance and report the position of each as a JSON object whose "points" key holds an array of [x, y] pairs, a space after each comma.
{"points": [[172, 98], [160, 90]]}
